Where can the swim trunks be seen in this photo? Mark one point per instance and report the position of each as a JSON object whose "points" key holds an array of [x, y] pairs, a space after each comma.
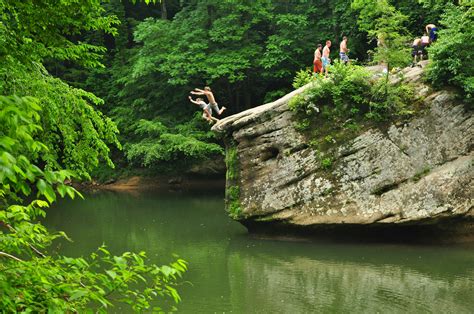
{"points": [[326, 62], [318, 66], [203, 105], [417, 50], [433, 34], [344, 57], [214, 107]]}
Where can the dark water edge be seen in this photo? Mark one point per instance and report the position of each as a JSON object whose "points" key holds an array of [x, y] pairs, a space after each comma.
{"points": [[232, 271], [445, 231]]}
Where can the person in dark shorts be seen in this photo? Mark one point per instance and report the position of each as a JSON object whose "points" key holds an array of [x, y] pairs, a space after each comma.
{"points": [[432, 31], [417, 52], [343, 51]]}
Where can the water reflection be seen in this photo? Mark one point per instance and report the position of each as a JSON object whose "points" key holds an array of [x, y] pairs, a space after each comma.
{"points": [[233, 272], [355, 278]]}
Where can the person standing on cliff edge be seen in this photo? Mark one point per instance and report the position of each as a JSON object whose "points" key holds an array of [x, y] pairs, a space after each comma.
{"points": [[343, 51], [325, 58], [318, 65]]}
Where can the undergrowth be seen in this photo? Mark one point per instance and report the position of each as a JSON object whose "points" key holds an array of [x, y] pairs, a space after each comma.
{"points": [[351, 100]]}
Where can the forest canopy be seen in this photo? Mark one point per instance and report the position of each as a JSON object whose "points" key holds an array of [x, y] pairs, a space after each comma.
{"points": [[248, 52]]}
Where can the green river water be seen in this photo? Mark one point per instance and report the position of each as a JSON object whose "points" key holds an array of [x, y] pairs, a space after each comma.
{"points": [[231, 271]]}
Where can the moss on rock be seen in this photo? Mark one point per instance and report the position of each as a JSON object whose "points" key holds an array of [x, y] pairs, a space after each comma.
{"points": [[232, 193]]}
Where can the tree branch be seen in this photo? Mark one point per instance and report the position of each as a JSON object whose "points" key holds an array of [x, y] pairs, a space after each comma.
{"points": [[10, 227], [10, 256]]}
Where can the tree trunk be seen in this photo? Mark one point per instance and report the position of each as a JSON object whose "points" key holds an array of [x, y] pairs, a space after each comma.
{"points": [[164, 11]]}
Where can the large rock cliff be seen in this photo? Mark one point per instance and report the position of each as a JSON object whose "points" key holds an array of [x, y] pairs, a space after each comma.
{"points": [[413, 173]]}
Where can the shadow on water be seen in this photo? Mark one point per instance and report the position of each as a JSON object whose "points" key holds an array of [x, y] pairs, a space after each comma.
{"points": [[232, 271], [444, 231]]}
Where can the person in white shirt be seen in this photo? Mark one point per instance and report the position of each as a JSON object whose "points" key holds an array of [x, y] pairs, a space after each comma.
{"points": [[206, 108], [210, 96]]}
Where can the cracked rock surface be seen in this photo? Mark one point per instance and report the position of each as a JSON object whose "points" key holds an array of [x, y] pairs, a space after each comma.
{"points": [[418, 172]]}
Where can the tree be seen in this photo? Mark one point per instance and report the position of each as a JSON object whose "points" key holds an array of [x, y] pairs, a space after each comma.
{"points": [[451, 55], [30, 33], [46, 140], [384, 23], [30, 278], [247, 51]]}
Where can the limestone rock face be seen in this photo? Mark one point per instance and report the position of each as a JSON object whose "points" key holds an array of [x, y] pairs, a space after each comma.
{"points": [[413, 173]]}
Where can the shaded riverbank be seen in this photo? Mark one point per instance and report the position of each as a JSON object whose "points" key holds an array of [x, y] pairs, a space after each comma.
{"points": [[137, 184]]}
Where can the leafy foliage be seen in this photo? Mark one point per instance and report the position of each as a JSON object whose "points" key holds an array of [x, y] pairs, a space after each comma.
{"points": [[353, 91], [204, 43], [158, 143], [453, 63], [302, 78], [32, 281], [36, 30], [384, 23], [45, 141], [76, 134], [338, 108], [19, 119]]}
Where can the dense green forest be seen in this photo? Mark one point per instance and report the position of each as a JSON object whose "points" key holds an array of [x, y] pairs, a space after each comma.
{"points": [[248, 51], [87, 84]]}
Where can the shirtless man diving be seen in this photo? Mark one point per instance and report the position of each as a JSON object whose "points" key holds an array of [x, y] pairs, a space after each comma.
{"points": [[210, 96]]}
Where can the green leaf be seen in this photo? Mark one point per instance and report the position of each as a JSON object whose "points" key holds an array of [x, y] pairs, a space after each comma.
{"points": [[120, 261], [62, 189], [112, 274], [79, 293]]}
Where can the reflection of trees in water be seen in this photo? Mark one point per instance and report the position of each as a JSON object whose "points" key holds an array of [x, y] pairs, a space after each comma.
{"points": [[229, 270], [300, 284]]}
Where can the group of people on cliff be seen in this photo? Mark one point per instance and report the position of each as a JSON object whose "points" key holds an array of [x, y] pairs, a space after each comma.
{"points": [[420, 44], [322, 61], [321, 64]]}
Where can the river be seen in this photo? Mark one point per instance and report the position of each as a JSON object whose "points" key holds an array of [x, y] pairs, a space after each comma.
{"points": [[233, 272]]}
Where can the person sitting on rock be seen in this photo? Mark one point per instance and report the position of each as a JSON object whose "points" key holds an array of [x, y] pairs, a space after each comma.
{"points": [[210, 96], [206, 108]]}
